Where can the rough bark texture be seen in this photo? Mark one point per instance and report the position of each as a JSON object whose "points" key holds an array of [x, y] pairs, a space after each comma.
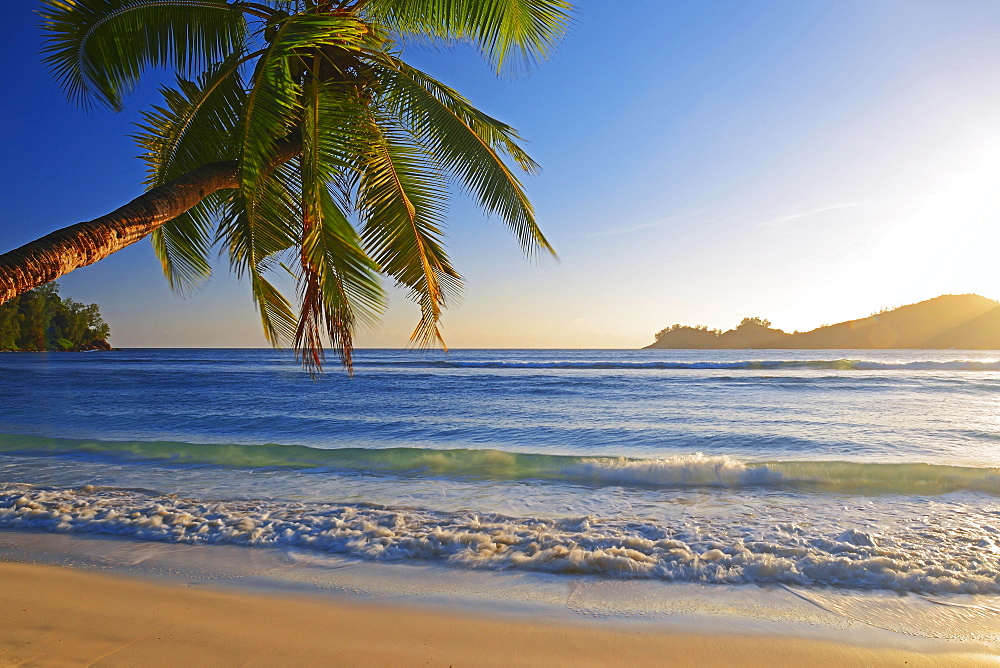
{"points": [[78, 245]]}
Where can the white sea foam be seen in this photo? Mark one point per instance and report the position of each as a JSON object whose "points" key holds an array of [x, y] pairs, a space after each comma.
{"points": [[789, 555], [697, 470]]}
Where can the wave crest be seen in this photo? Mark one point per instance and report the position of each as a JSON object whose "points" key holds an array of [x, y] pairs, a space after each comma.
{"points": [[697, 470], [677, 471]]}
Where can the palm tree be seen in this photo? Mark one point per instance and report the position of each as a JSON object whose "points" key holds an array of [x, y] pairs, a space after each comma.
{"points": [[298, 140]]}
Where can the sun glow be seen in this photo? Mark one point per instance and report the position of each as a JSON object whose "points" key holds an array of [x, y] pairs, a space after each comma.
{"points": [[946, 239]]}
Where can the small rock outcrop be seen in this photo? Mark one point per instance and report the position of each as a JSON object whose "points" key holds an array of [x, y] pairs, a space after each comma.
{"points": [[96, 344]]}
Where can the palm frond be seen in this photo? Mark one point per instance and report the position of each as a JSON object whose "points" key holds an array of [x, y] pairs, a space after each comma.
{"points": [[254, 250], [98, 49], [265, 205], [183, 245], [466, 142], [338, 282], [339, 285], [194, 127], [307, 31], [276, 314], [511, 34], [402, 199], [196, 124]]}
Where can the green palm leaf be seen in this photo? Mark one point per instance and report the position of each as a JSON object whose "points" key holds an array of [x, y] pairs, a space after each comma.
{"points": [[254, 248], [194, 128], [196, 125], [501, 137], [259, 225], [338, 282], [402, 199], [466, 142], [98, 49], [511, 34]]}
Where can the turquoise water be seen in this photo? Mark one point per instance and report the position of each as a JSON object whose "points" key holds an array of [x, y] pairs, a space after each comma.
{"points": [[819, 469]]}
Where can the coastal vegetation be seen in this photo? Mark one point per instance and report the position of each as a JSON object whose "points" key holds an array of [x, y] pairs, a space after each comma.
{"points": [[42, 320], [297, 139], [967, 322]]}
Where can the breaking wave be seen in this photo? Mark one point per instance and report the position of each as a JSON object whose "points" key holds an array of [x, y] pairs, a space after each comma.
{"points": [[676, 471]]}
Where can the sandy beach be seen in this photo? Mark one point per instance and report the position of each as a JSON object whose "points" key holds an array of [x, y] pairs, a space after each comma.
{"points": [[61, 616]]}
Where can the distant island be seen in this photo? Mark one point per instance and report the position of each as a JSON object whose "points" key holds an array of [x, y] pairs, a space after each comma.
{"points": [[966, 322], [42, 320]]}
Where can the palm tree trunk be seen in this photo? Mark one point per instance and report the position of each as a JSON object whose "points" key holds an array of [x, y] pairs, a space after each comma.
{"points": [[78, 245], [62, 251]]}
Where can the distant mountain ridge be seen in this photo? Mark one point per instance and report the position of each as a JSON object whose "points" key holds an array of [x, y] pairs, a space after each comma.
{"points": [[968, 322]]}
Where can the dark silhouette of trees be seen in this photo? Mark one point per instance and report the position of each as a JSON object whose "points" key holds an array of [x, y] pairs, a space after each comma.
{"points": [[760, 322], [41, 320]]}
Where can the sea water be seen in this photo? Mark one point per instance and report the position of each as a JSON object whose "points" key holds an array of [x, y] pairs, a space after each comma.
{"points": [[821, 471]]}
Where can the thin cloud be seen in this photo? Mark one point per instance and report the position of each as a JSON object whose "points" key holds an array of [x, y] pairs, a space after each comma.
{"points": [[782, 221], [628, 229]]}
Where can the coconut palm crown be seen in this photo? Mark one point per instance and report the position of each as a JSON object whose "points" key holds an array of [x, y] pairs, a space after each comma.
{"points": [[341, 154]]}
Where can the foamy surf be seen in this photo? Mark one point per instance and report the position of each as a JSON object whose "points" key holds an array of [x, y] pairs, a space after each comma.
{"points": [[580, 546]]}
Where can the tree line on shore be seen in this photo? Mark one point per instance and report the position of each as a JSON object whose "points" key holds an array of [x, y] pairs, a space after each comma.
{"points": [[962, 322], [42, 320]]}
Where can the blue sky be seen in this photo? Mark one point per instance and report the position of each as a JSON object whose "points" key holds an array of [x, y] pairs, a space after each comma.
{"points": [[702, 161]]}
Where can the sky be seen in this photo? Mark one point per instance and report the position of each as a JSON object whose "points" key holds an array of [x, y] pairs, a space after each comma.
{"points": [[702, 161]]}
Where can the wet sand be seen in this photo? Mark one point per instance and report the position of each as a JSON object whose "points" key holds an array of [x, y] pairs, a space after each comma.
{"points": [[52, 615]]}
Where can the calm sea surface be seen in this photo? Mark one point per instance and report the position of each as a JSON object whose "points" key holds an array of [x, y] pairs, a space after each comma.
{"points": [[817, 469]]}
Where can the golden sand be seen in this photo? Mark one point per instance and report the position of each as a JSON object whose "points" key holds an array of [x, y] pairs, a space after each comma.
{"points": [[59, 616]]}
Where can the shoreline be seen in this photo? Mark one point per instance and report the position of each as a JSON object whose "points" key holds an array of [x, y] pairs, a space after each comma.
{"points": [[68, 599], [56, 615]]}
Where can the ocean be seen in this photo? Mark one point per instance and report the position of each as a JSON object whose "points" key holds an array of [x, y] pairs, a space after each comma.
{"points": [[822, 472]]}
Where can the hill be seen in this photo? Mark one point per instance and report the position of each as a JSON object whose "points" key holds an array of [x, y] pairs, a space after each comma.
{"points": [[966, 322]]}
